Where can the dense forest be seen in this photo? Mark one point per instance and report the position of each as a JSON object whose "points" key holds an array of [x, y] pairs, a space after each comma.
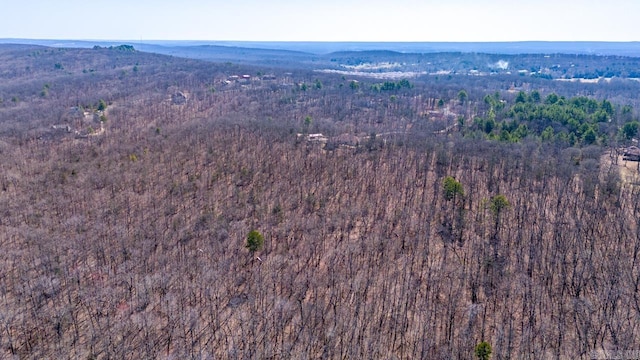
{"points": [[159, 207]]}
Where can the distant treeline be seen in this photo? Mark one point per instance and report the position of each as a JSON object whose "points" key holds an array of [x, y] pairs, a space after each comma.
{"points": [[128, 48]]}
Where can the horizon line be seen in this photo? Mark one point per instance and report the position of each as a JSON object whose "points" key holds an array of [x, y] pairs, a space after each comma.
{"points": [[331, 41]]}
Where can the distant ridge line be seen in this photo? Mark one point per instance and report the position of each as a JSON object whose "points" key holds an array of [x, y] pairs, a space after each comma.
{"points": [[325, 47]]}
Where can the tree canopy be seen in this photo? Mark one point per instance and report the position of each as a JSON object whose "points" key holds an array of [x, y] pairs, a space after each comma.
{"points": [[255, 240], [498, 203], [575, 121], [483, 351], [452, 188]]}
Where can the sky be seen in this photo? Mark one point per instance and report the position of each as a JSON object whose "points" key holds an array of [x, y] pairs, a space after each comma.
{"points": [[323, 20]]}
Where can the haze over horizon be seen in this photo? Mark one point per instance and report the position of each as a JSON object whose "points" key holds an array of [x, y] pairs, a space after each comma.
{"points": [[331, 20]]}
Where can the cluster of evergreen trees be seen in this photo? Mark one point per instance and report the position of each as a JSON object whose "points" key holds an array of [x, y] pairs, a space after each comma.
{"points": [[574, 121]]}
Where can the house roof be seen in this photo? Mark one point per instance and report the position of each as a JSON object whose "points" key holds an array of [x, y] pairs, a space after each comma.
{"points": [[632, 150]]}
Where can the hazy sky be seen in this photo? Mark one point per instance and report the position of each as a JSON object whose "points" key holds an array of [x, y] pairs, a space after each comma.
{"points": [[323, 20]]}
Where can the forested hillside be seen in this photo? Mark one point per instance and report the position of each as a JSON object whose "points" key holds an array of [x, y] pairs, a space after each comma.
{"points": [[155, 207]]}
